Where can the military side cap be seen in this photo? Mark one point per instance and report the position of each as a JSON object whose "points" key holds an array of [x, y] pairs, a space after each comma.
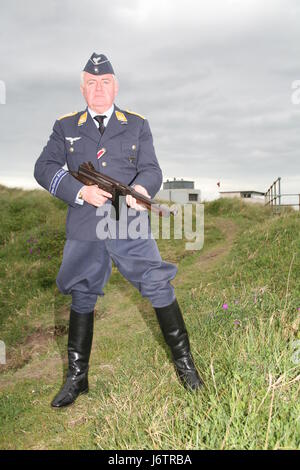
{"points": [[98, 64]]}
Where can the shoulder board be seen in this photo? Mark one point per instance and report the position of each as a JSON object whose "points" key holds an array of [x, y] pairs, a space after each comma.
{"points": [[136, 114], [67, 115]]}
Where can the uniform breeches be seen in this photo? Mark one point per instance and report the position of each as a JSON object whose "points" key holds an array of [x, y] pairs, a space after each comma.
{"points": [[87, 265]]}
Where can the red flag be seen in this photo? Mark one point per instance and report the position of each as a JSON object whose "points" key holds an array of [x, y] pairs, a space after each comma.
{"points": [[218, 183]]}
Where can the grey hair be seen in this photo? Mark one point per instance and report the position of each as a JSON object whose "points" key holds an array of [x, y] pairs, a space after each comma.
{"points": [[82, 78]]}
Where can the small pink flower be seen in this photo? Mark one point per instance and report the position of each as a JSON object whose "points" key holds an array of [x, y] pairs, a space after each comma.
{"points": [[225, 306]]}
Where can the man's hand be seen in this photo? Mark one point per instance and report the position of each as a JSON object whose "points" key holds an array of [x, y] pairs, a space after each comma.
{"points": [[94, 195], [131, 201]]}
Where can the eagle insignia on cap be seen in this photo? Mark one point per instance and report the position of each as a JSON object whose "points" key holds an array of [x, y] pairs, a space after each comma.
{"points": [[96, 60]]}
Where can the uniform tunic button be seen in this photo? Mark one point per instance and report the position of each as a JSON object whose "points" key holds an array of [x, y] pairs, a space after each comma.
{"points": [[71, 149], [104, 163]]}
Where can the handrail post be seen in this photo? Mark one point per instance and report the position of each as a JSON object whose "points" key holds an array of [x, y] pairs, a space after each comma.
{"points": [[272, 196]]}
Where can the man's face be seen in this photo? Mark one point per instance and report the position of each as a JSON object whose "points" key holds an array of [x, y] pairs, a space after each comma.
{"points": [[99, 91]]}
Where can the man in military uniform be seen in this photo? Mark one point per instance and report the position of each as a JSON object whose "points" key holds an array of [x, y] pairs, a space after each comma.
{"points": [[119, 144]]}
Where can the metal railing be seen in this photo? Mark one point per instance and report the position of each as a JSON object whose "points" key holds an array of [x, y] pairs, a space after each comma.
{"points": [[274, 197]]}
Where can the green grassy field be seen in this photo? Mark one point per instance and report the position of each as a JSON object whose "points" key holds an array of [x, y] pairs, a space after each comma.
{"points": [[240, 297]]}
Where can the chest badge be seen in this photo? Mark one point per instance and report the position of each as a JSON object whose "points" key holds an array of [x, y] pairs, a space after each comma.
{"points": [[72, 140], [101, 152]]}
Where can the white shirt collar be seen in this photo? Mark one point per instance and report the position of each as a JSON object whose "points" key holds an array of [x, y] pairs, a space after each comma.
{"points": [[108, 113]]}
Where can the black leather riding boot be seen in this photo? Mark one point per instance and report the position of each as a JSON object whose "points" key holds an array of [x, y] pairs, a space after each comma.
{"points": [[79, 348], [176, 336]]}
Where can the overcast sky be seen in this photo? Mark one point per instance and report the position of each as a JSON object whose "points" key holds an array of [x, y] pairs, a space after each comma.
{"points": [[214, 79]]}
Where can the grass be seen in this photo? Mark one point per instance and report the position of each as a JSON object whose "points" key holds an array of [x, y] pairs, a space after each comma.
{"points": [[240, 297]]}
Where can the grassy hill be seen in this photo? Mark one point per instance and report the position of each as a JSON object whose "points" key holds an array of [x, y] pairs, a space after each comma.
{"points": [[240, 297]]}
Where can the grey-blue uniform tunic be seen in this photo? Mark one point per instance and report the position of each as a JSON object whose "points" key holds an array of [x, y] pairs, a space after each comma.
{"points": [[128, 155]]}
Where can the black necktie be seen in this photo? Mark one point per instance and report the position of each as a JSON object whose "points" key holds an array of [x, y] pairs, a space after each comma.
{"points": [[100, 120]]}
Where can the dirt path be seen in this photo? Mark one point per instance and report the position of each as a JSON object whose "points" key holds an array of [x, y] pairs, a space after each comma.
{"points": [[208, 260]]}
